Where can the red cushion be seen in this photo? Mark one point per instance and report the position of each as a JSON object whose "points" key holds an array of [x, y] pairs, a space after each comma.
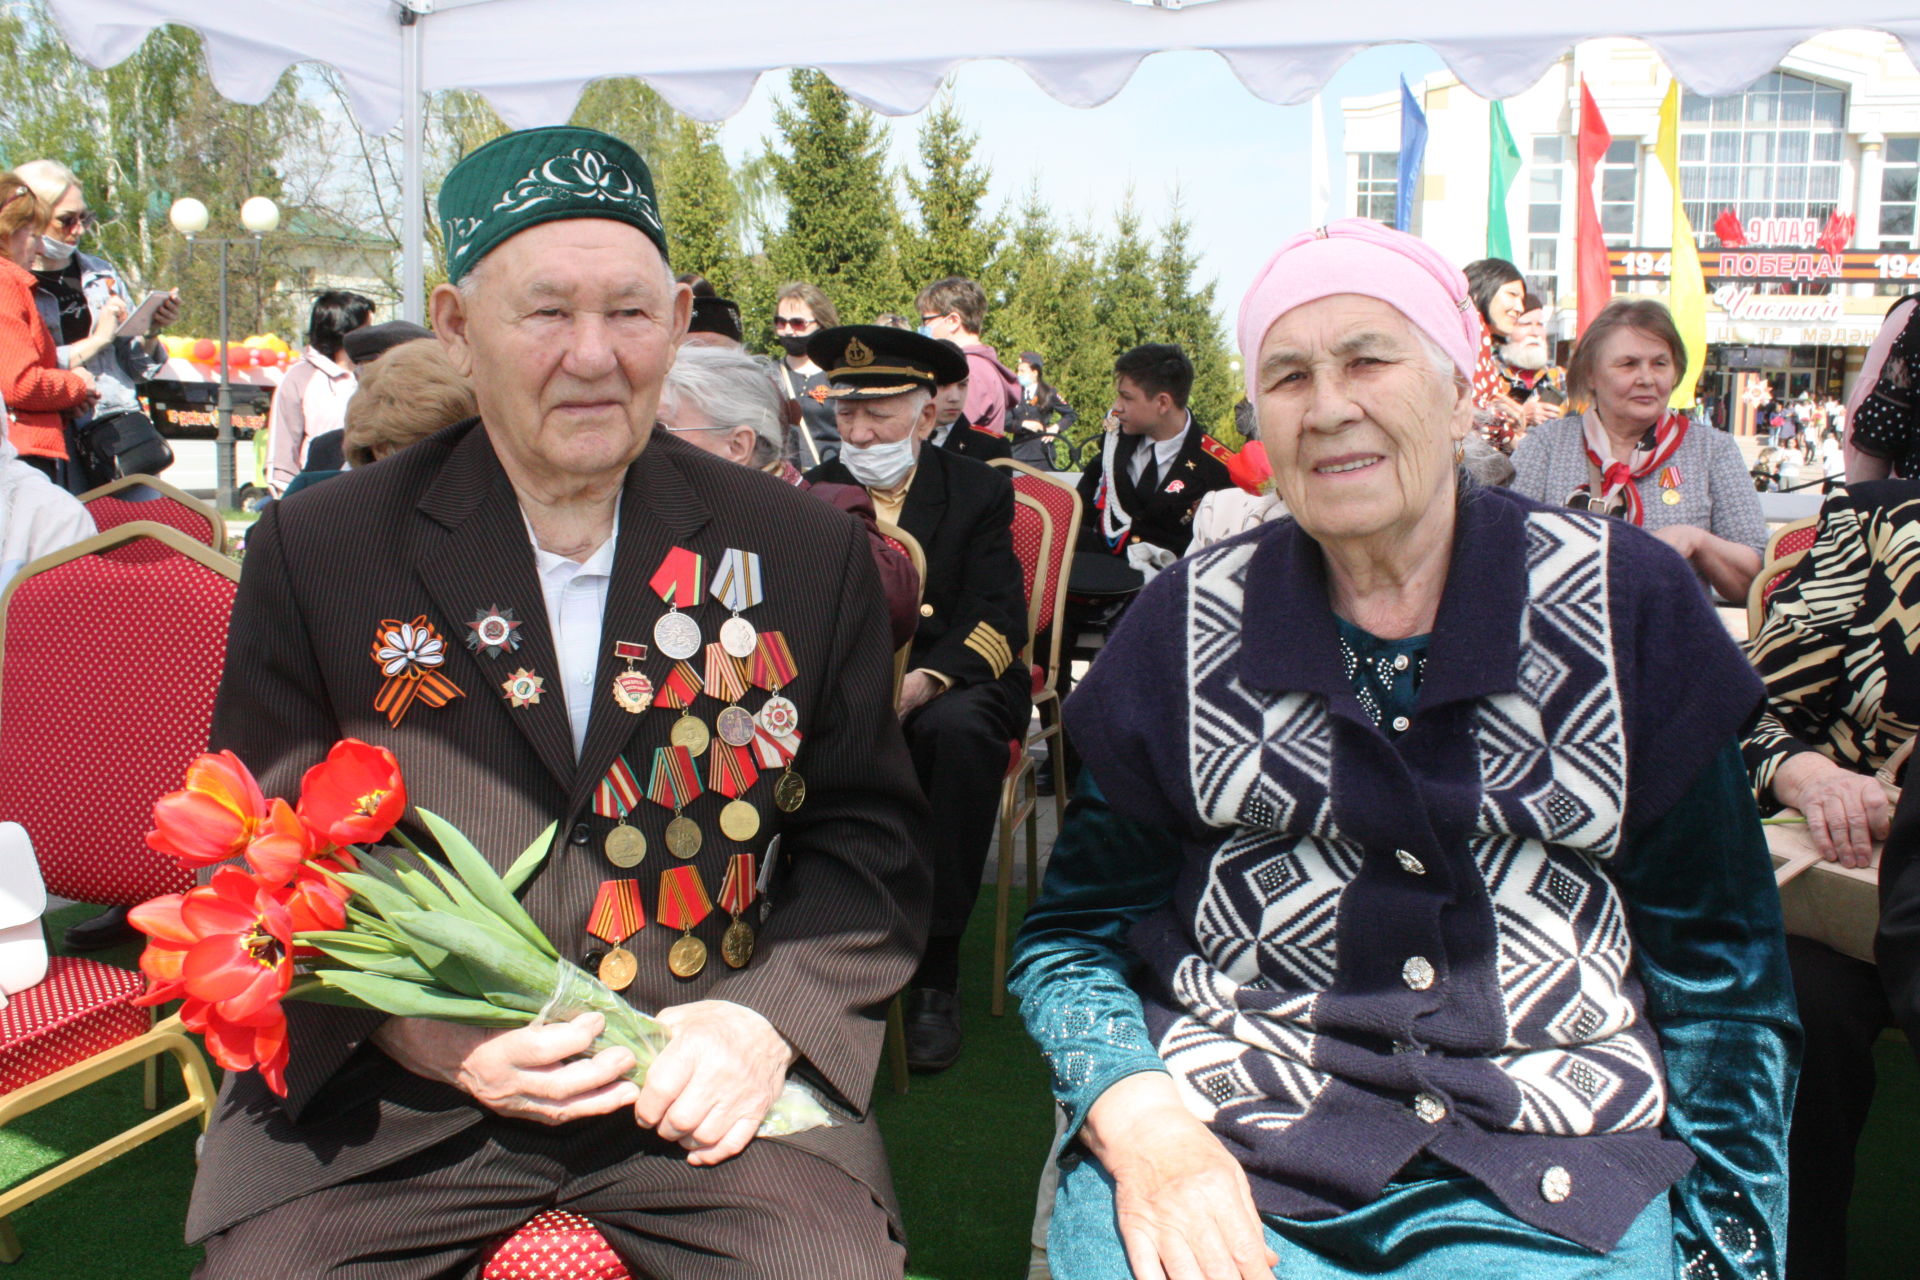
{"points": [[556, 1245], [79, 1009], [1016, 751], [1039, 679], [106, 693], [113, 510], [1795, 540]]}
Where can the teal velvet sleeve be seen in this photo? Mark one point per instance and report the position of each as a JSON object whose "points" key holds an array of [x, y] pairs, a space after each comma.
{"points": [[1709, 949], [1072, 965]]}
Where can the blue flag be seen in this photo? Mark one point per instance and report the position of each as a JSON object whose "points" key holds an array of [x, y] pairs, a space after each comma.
{"points": [[1413, 155]]}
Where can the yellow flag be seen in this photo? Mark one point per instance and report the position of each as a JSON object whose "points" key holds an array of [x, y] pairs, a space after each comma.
{"points": [[1686, 286]]}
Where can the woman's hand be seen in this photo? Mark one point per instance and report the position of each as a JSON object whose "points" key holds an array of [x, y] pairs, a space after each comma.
{"points": [[1185, 1210], [108, 322], [1847, 812], [1536, 411]]}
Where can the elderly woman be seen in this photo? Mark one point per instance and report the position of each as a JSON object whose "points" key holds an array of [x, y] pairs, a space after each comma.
{"points": [[729, 403], [1627, 454], [1356, 972]]}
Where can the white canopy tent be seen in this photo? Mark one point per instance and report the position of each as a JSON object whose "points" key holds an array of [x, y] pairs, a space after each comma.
{"points": [[532, 58]]}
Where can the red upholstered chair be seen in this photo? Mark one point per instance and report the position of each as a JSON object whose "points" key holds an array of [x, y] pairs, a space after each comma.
{"points": [[107, 674], [555, 1245], [151, 499], [1038, 544], [1789, 538], [1046, 604]]}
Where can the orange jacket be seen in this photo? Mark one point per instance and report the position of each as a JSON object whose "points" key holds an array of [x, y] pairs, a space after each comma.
{"points": [[32, 382]]}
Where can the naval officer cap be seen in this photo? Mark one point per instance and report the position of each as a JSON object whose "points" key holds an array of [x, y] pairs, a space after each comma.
{"points": [[532, 176], [868, 361]]}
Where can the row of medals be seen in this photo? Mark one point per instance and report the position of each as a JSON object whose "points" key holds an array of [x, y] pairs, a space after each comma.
{"points": [[678, 637]]}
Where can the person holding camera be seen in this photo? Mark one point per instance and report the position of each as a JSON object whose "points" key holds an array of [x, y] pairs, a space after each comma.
{"points": [[84, 301]]}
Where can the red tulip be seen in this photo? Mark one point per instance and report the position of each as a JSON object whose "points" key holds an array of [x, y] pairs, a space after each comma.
{"points": [[355, 795], [220, 810], [225, 949], [292, 857]]}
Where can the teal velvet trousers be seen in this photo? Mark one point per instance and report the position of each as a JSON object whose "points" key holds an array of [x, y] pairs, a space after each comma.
{"points": [[1423, 1228]]}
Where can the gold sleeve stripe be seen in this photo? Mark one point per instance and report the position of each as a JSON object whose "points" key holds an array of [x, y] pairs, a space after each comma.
{"points": [[992, 647]]}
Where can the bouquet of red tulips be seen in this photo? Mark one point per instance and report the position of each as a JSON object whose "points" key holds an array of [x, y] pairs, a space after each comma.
{"points": [[297, 907]]}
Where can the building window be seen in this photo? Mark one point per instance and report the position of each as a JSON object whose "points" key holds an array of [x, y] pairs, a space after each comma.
{"points": [[1376, 187], [1546, 191], [1899, 177], [1771, 153], [1620, 192]]}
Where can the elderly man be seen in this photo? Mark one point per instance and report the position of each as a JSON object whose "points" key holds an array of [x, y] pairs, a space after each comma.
{"points": [[966, 693], [567, 555]]}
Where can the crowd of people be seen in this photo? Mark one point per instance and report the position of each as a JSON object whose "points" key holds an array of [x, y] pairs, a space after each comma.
{"points": [[1413, 914]]}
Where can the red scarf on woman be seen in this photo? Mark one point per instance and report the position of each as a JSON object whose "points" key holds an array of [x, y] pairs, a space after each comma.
{"points": [[1617, 478]]}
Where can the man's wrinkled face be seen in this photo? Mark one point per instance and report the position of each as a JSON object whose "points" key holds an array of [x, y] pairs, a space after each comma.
{"points": [[1527, 348], [884, 420], [567, 330]]}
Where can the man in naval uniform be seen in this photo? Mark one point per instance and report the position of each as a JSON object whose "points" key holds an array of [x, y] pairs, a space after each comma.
{"points": [[967, 693], [534, 542]]}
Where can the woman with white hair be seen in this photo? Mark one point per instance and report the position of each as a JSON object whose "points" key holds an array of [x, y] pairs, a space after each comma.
{"points": [[1415, 918], [727, 403]]}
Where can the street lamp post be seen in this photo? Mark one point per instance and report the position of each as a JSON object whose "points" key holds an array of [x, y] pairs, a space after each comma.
{"points": [[189, 217]]}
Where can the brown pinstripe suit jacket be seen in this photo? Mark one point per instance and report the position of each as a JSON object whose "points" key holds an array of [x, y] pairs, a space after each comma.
{"points": [[435, 530]]}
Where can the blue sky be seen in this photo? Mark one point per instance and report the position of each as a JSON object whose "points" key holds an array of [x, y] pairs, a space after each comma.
{"points": [[1240, 165]]}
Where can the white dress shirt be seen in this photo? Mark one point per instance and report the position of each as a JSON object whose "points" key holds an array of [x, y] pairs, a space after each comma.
{"points": [[576, 599], [1164, 453]]}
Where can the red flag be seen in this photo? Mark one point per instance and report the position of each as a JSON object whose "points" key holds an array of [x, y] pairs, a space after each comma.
{"points": [[1837, 234], [1727, 227], [1595, 281]]}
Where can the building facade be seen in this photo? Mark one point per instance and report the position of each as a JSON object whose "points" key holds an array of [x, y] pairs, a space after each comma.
{"points": [[1801, 192]]}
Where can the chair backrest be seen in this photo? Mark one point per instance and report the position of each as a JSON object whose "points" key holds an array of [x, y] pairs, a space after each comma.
{"points": [[908, 545], [1046, 582], [107, 676], [1789, 538], [1765, 583], [152, 499]]}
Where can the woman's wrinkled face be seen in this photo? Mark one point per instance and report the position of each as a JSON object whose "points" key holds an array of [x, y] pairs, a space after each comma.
{"points": [[1358, 423], [1633, 377]]}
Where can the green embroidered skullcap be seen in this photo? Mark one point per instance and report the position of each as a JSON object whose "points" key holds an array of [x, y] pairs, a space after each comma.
{"points": [[542, 175]]}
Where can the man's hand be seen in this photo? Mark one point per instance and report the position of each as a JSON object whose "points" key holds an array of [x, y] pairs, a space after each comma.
{"points": [[916, 691], [524, 1073], [1847, 812], [166, 313], [1184, 1207], [1536, 411], [711, 1086]]}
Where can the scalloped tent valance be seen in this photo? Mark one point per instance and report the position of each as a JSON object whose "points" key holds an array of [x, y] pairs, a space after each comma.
{"points": [[532, 58]]}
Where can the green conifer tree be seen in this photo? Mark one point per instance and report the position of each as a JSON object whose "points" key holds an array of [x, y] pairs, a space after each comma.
{"points": [[1190, 320], [954, 236]]}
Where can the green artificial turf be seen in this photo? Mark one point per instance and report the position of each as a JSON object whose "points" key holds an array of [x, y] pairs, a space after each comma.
{"points": [[966, 1147]]}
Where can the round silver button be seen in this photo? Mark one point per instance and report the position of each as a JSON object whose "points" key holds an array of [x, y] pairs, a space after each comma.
{"points": [[1400, 724], [1429, 1108], [1400, 662], [1409, 864], [1417, 973], [1556, 1184]]}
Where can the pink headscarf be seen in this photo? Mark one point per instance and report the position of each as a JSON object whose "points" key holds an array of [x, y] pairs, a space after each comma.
{"points": [[1359, 255]]}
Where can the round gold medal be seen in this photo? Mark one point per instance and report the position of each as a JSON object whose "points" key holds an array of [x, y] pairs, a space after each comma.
{"points": [[683, 837], [739, 821], [1671, 497], [688, 957], [633, 692], [618, 969], [736, 944], [690, 731], [625, 846], [790, 792]]}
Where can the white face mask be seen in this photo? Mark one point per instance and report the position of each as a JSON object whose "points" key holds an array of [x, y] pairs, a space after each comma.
{"points": [[1028, 380], [57, 253], [879, 466]]}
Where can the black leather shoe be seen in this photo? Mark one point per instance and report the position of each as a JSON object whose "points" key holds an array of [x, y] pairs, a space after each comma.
{"points": [[932, 1020], [108, 929]]}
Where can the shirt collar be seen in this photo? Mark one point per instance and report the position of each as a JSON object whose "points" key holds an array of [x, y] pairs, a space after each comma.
{"points": [[1291, 642], [324, 365], [550, 563]]}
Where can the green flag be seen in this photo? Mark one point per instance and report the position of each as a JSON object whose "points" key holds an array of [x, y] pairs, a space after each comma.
{"points": [[1503, 165]]}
